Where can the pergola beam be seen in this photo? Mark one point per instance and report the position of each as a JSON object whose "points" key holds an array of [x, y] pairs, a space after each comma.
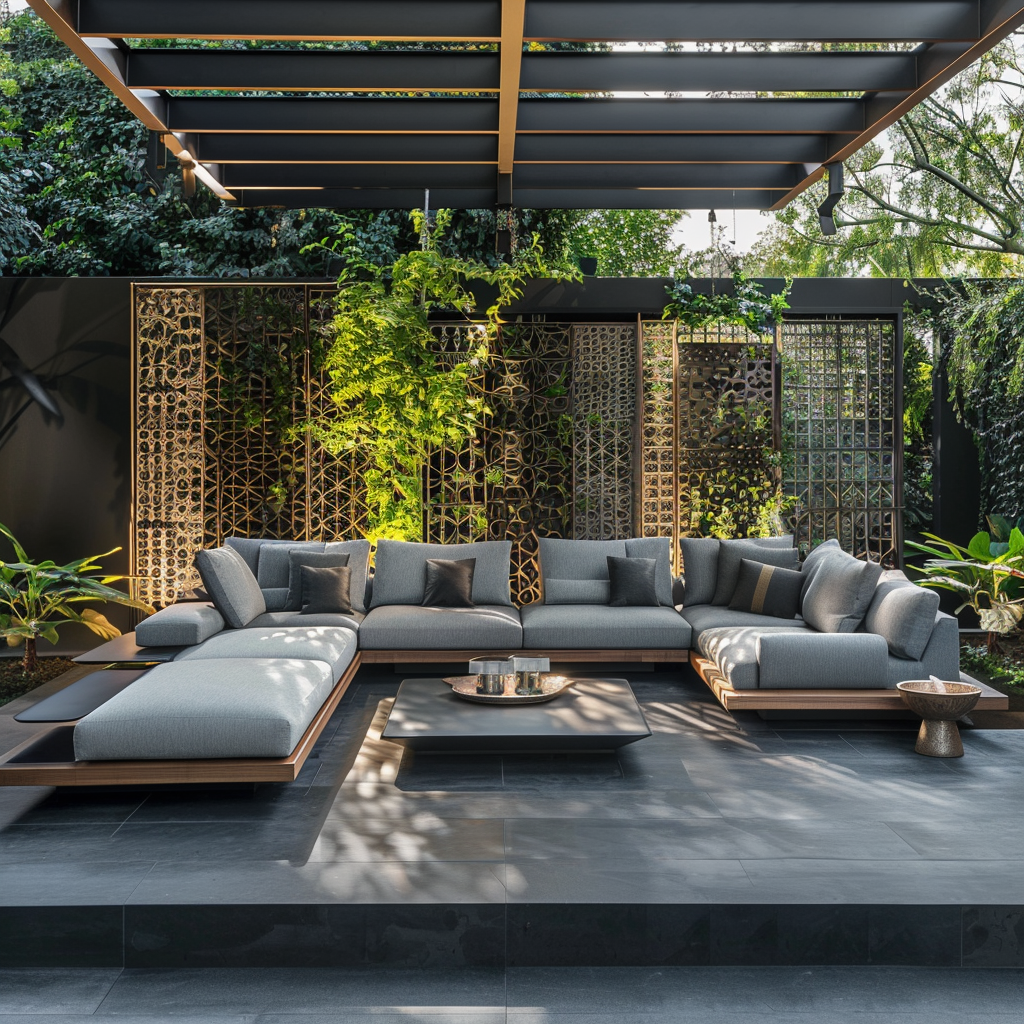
{"points": [[512, 14], [587, 20], [477, 71]]}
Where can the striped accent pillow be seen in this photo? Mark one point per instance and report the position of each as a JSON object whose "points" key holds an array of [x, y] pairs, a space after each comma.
{"points": [[767, 590]]}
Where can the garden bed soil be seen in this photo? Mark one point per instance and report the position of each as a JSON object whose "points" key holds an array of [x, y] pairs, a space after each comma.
{"points": [[14, 683], [995, 669]]}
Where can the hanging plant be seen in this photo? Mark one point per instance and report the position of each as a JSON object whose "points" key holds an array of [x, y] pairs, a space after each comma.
{"points": [[746, 306]]}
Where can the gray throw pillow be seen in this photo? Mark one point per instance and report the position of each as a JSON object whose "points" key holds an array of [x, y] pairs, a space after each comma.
{"points": [[633, 582], [732, 552], [299, 557], [700, 568], [767, 590], [840, 593], [815, 557], [231, 585], [903, 615], [449, 583], [325, 590]]}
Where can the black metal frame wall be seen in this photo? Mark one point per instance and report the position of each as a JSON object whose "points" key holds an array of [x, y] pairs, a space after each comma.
{"points": [[597, 429]]}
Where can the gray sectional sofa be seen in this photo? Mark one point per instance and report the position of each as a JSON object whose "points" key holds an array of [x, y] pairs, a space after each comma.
{"points": [[250, 671]]}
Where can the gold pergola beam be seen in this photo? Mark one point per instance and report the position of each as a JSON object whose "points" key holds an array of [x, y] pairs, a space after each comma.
{"points": [[513, 15]]}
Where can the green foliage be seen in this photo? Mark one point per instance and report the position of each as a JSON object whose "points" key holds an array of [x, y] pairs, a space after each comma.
{"points": [[746, 306], [626, 243], [757, 509], [395, 396], [998, 667], [992, 585], [37, 597], [918, 371], [983, 332], [942, 194]]}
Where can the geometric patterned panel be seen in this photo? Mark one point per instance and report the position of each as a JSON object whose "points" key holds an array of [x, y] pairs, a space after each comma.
{"points": [[168, 470], [659, 492], [726, 466], [842, 412], [603, 418]]}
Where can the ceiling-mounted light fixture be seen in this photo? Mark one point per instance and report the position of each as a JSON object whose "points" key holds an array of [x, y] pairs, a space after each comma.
{"points": [[826, 217]]}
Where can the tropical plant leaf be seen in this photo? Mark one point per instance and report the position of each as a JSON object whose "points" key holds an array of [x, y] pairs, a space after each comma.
{"points": [[980, 546], [99, 624]]}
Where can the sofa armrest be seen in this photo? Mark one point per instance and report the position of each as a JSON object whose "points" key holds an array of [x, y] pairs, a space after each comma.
{"points": [[832, 661], [179, 625]]}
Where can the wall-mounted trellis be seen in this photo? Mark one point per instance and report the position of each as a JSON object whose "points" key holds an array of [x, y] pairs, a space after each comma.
{"points": [[595, 430]]}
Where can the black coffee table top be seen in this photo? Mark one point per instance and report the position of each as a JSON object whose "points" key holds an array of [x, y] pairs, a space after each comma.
{"points": [[596, 714]]}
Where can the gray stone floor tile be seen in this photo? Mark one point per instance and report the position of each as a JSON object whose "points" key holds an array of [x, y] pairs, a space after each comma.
{"points": [[628, 881], [959, 840], [810, 1017], [180, 1016], [391, 882], [312, 990], [471, 1016], [765, 991], [893, 882], [700, 839], [54, 991], [419, 837], [67, 808], [66, 884]]}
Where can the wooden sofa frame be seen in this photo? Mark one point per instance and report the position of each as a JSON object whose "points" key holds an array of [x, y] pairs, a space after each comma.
{"points": [[16, 772]]}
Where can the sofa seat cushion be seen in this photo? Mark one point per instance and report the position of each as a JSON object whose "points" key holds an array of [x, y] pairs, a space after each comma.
{"points": [[733, 649], [223, 707], [332, 645], [179, 625], [710, 616], [597, 627], [402, 627], [278, 619]]}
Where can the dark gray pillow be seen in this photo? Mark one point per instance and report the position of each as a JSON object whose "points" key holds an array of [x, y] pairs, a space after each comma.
{"points": [[299, 557], [767, 590], [326, 590], [231, 585], [633, 582], [700, 568], [902, 614], [815, 557], [732, 552], [840, 593], [449, 583], [273, 567]]}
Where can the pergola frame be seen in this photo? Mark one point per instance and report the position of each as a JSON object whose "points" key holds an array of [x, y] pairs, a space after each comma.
{"points": [[481, 127]]}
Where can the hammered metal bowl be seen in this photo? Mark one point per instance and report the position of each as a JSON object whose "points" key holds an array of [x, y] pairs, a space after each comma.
{"points": [[939, 701]]}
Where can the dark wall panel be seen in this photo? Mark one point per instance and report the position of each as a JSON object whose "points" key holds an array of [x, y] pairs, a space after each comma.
{"points": [[65, 488]]}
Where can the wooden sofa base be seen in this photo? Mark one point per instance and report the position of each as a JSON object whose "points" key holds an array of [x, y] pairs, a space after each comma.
{"points": [[624, 655], [165, 773], [817, 700]]}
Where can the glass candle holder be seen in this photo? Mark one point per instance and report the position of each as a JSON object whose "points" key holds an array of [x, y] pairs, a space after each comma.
{"points": [[529, 674], [490, 676]]}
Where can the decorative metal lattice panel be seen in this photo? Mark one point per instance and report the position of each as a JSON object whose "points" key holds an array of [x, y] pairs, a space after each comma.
{"points": [[842, 414], [708, 427], [603, 427], [169, 465]]}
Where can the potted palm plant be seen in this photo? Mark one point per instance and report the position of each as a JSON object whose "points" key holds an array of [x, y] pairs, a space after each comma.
{"points": [[38, 597]]}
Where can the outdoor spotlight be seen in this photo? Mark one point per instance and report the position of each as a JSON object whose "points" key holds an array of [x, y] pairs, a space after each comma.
{"points": [[826, 217]]}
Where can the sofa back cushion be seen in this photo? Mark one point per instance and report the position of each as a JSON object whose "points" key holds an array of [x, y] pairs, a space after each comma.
{"points": [[767, 550], [815, 557], [903, 615], [839, 593], [231, 585], [272, 570], [576, 571], [400, 575], [300, 558], [700, 568], [358, 552]]}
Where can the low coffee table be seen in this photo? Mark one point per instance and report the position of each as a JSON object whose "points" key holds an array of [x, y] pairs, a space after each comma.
{"points": [[596, 714]]}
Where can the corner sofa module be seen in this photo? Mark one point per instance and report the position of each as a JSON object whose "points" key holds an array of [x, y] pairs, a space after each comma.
{"points": [[404, 627], [221, 708]]}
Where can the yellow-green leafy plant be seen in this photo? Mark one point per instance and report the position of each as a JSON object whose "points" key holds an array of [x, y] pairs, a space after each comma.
{"points": [[396, 397], [38, 597]]}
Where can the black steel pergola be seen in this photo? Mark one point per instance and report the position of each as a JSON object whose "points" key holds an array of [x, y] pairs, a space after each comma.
{"points": [[504, 125]]}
